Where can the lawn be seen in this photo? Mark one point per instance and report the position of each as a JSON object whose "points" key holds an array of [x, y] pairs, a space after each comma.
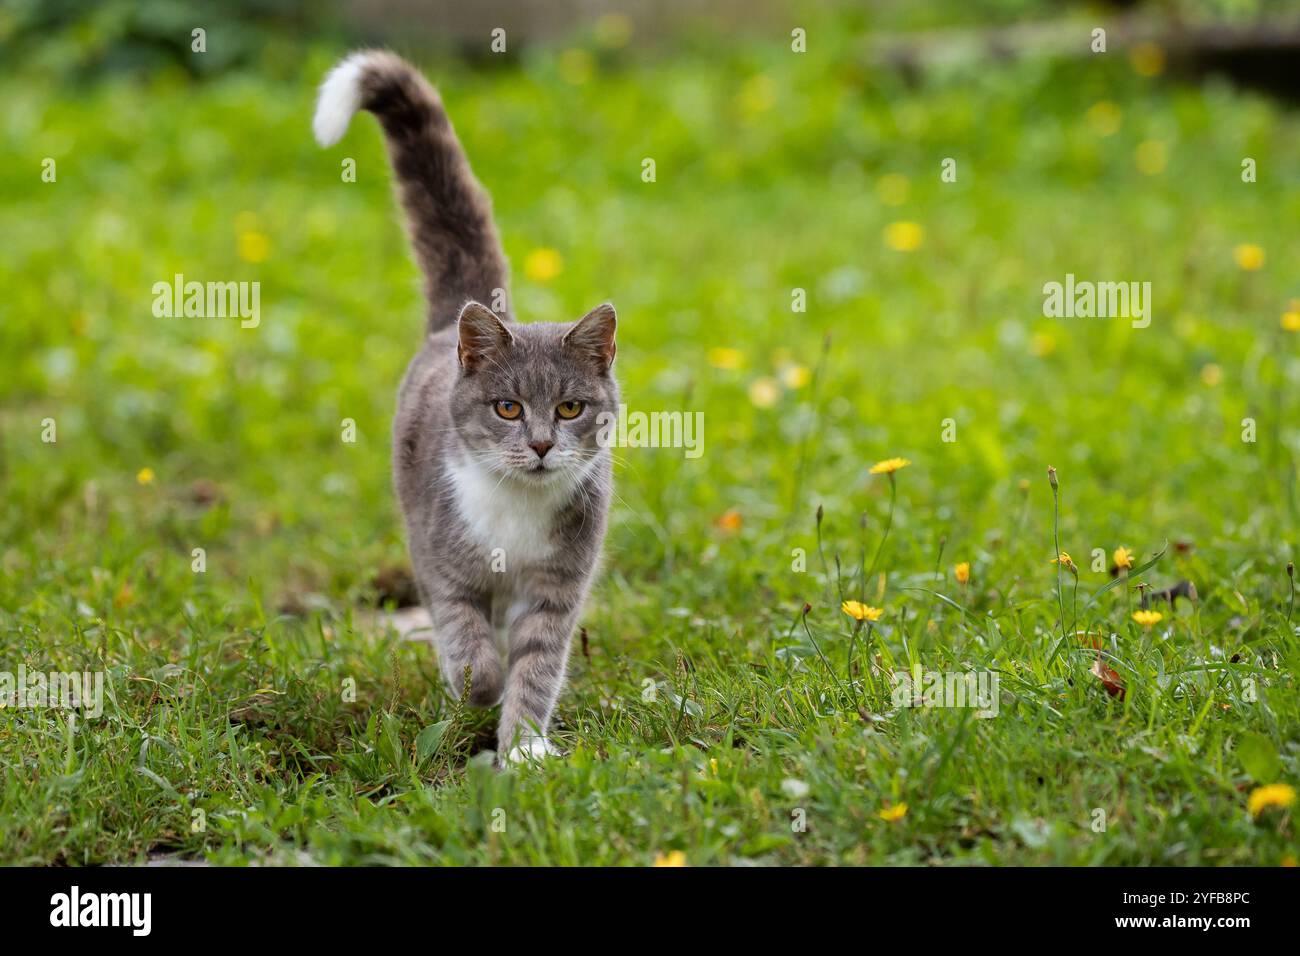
{"points": [[264, 708]]}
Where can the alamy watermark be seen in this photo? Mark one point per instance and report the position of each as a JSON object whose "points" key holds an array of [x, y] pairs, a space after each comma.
{"points": [[652, 430], [1102, 300], [208, 300], [57, 690], [919, 688]]}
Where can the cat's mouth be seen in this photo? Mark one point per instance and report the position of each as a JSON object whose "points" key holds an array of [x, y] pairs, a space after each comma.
{"points": [[538, 471]]}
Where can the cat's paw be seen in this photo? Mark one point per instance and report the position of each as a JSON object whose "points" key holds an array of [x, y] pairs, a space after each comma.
{"points": [[531, 749], [486, 681]]}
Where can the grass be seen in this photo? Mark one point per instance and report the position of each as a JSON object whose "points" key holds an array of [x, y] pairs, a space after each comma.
{"points": [[707, 713]]}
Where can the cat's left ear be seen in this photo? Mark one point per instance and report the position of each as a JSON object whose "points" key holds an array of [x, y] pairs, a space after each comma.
{"points": [[593, 336]]}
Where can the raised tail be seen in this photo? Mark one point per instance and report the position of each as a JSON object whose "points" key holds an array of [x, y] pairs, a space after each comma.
{"points": [[449, 216]]}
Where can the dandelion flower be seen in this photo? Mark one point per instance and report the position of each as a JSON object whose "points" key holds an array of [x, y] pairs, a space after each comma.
{"points": [[1291, 320], [764, 392], [1275, 795], [1148, 619], [1123, 559], [543, 265], [889, 466], [962, 572], [254, 247], [144, 476], [1212, 374], [861, 612], [904, 236], [1249, 256], [893, 814], [673, 858], [757, 95], [797, 376], [1065, 561], [725, 358]]}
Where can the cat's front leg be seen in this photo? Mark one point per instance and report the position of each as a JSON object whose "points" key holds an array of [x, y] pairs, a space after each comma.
{"points": [[539, 654], [464, 639]]}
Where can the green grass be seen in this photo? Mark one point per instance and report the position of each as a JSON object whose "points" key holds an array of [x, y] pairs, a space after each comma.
{"points": [[701, 693]]}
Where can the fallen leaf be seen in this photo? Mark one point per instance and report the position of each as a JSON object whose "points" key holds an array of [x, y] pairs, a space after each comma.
{"points": [[1109, 678]]}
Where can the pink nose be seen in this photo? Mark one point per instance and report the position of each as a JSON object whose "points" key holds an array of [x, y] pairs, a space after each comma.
{"points": [[541, 447]]}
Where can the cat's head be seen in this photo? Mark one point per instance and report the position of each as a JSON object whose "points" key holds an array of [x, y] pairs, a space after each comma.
{"points": [[528, 400]]}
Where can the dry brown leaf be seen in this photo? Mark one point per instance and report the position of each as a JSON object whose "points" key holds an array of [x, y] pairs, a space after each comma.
{"points": [[1109, 678]]}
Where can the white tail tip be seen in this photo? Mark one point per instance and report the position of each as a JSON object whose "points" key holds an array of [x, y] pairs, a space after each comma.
{"points": [[340, 97]]}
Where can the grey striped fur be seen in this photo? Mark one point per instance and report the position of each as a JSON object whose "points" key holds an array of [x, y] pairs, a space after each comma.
{"points": [[504, 540]]}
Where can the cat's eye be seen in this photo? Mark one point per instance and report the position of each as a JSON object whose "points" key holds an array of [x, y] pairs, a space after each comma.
{"points": [[569, 409], [508, 410]]}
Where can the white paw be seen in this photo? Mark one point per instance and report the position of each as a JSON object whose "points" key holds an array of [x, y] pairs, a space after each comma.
{"points": [[530, 749]]}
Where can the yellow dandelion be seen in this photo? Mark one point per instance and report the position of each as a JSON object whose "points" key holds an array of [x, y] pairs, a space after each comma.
{"points": [[1249, 256], [1042, 345], [254, 246], [892, 189], [893, 814], [889, 466], [1151, 157], [1104, 118], [725, 358], [757, 95], [1065, 561], [1148, 619], [962, 572], [1123, 558], [1275, 796], [795, 376], [543, 265], [1211, 374], [1147, 59], [673, 858], [1291, 320], [861, 612], [764, 392], [904, 236], [144, 476]]}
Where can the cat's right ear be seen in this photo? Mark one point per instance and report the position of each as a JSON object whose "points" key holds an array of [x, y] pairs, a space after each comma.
{"points": [[482, 335]]}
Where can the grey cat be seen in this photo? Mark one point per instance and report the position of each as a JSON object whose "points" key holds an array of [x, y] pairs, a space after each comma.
{"points": [[503, 484]]}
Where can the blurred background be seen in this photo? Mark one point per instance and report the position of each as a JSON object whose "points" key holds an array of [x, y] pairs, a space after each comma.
{"points": [[801, 272], [776, 170]]}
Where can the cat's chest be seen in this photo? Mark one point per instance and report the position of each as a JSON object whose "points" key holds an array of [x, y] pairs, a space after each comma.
{"points": [[513, 523]]}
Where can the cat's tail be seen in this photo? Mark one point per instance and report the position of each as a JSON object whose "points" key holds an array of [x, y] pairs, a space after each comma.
{"points": [[449, 216]]}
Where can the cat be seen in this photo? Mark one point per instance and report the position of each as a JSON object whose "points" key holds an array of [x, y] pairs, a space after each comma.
{"points": [[503, 483]]}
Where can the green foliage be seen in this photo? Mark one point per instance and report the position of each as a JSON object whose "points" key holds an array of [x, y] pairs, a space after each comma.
{"points": [[702, 717]]}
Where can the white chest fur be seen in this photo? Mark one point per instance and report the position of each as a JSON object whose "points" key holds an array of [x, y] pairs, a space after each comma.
{"points": [[512, 520]]}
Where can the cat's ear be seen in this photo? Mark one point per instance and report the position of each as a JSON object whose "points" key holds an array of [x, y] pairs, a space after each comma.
{"points": [[592, 336], [481, 335]]}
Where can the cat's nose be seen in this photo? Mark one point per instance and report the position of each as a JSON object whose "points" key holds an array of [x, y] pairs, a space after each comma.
{"points": [[541, 447]]}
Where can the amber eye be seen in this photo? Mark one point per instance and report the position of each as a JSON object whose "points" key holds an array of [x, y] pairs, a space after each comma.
{"points": [[508, 410], [569, 409]]}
